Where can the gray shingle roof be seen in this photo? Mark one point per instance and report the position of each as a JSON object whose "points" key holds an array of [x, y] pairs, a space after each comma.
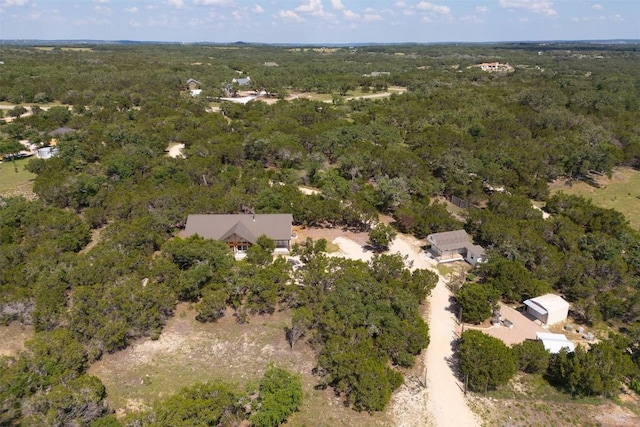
{"points": [[61, 131], [450, 239], [248, 226]]}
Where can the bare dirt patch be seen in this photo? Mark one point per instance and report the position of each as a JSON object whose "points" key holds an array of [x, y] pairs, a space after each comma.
{"points": [[189, 352], [330, 234], [13, 337]]}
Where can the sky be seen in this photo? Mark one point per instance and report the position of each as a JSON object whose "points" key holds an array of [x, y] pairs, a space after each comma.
{"points": [[320, 21]]}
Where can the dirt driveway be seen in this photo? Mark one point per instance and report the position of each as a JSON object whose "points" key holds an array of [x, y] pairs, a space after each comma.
{"points": [[442, 403]]}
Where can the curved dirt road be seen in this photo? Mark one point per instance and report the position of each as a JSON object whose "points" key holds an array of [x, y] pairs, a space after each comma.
{"points": [[443, 403]]}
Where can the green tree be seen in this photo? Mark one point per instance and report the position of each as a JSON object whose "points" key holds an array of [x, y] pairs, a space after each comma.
{"points": [[279, 396], [207, 404], [78, 402], [476, 301], [381, 236], [485, 361], [531, 357], [212, 304], [262, 252]]}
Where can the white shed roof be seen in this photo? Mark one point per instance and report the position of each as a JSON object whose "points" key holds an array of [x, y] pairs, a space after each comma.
{"points": [[547, 302], [553, 343]]}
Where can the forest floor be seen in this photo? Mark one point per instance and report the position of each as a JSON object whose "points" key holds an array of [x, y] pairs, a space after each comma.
{"points": [[620, 192]]}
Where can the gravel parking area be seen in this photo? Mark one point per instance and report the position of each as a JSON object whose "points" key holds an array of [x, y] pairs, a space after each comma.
{"points": [[523, 328]]}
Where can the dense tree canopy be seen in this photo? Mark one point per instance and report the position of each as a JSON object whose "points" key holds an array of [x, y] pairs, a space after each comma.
{"points": [[487, 138], [485, 361]]}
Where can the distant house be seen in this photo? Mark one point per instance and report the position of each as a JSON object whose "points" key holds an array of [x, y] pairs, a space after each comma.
{"points": [[377, 74], [194, 87], [494, 67], [553, 343], [455, 245], [245, 81], [47, 152], [549, 308], [241, 231], [193, 84], [270, 64], [56, 133]]}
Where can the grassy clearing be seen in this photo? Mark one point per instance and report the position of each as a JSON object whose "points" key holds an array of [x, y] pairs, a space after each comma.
{"points": [[189, 352], [528, 400], [620, 192], [12, 183]]}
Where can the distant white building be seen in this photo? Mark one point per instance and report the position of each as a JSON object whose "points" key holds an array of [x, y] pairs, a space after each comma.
{"points": [[47, 152], [494, 67]]}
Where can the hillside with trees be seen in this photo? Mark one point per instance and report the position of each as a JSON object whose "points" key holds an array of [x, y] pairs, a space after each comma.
{"points": [[494, 140]]}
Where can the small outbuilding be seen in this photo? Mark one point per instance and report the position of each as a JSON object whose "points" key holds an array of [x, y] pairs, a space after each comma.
{"points": [[47, 152], [553, 343], [549, 308]]}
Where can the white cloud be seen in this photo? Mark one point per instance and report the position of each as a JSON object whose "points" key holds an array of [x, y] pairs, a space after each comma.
{"points": [[370, 17], [537, 6], [213, 2], [102, 9], [9, 3], [482, 9], [313, 8], [430, 7], [134, 23], [178, 4], [257, 9], [290, 15], [102, 1], [131, 9], [597, 7], [348, 14]]}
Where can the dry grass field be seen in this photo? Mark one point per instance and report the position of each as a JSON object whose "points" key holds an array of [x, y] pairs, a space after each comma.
{"points": [[189, 351], [620, 192]]}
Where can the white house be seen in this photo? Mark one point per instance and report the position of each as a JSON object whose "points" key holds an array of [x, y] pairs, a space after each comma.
{"points": [[549, 308]]}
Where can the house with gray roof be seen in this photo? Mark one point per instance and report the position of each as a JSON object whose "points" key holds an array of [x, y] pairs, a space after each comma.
{"points": [[244, 81], [193, 84], [455, 246], [240, 231]]}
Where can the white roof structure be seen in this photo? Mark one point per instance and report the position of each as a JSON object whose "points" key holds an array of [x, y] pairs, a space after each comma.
{"points": [[548, 308], [553, 343]]}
